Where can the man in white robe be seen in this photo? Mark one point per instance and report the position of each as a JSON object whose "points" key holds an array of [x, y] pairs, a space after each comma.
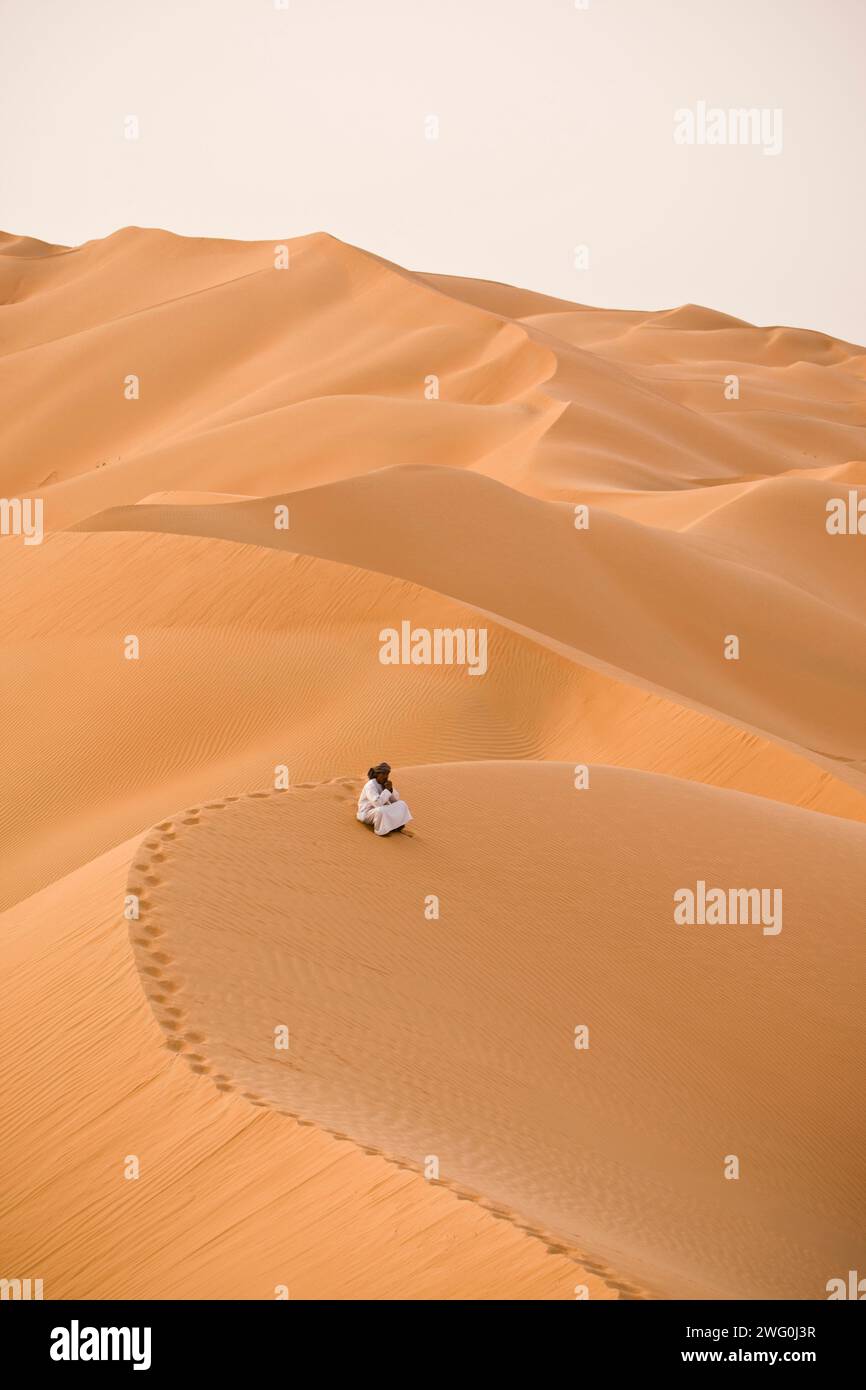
{"points": [[379, 803]]}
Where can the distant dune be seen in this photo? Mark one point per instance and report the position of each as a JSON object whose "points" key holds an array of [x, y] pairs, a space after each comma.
{"points": [[429, 439]]}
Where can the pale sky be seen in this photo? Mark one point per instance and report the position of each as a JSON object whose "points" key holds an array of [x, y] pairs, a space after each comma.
{"points": [[555, 131]]}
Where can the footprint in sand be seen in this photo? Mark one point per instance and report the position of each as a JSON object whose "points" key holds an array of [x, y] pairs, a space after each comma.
{"points": [[191, 820], [195, 1037], [200, 1068], [175, 1045], [162, 957], [153, 932], [165, 825], [214, 806], [153, 971], [152, 880]]}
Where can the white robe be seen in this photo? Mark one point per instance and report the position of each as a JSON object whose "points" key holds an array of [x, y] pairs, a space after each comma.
{"points": [[383, 808]]}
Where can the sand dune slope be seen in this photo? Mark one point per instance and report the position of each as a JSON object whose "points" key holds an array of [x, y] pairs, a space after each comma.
{"points": [[231, 1201], [451, 1036], [248, 661], [252, 659], [611, 595]]}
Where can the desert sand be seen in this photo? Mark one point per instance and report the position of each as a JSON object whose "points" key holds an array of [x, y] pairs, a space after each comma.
{"points": [[432, 1130]]}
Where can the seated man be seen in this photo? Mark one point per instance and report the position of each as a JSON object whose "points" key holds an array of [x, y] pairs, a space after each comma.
{"points": [[379, 805]]}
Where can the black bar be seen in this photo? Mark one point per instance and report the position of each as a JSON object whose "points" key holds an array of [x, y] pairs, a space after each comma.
{"points": [[249, 1338]]}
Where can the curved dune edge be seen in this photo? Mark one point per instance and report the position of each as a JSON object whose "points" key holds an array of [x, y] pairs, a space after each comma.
{"points": [[611, 597], [231, 1201], [151, 942], [231, 905]]}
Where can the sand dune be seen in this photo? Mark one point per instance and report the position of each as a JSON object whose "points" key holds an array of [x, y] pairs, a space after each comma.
{"points": [[454, 1037], [430, 438]]}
